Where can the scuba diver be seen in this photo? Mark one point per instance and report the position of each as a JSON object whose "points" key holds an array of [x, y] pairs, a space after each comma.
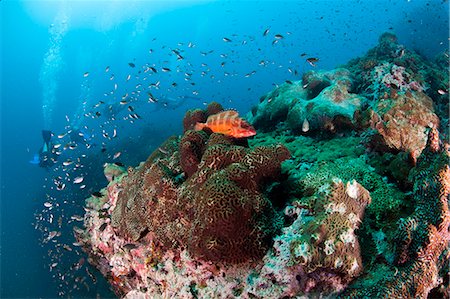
{"points": [[46, 157]]}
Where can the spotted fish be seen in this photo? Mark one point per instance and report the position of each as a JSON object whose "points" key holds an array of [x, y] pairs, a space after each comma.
{"points": [[228, 123]]}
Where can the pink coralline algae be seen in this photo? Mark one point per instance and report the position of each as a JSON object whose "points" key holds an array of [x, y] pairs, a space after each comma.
{"points": [[394, 76], [402, 121]]}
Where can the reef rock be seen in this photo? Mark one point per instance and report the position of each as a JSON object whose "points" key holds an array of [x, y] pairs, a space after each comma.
{"points": [[402, 120], [209, 216]]}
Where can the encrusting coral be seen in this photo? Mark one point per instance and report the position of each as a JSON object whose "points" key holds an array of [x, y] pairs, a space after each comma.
{"points": [[320, 251]]}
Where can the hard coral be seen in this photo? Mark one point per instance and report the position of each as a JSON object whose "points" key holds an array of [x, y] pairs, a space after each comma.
{"points": [[329, 105], [147, 192], [192, 117], [198, 115], [219, 213], [232, 221], [192, 146]]}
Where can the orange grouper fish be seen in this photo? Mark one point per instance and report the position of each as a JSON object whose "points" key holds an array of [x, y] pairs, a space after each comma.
{"points": [[228, 123]]}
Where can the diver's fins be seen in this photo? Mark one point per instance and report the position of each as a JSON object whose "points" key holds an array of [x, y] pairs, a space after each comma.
{"points": [[47, 135], [35, 160]]}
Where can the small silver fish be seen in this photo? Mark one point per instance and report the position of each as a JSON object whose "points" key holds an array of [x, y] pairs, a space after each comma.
{"points": [[51, 235], [78, 180], [77, 217], [305, 126]]}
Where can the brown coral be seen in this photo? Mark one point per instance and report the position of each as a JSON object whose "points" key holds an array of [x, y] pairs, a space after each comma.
{"points": [[219, 213], [233, 220], [192, 117], [192, 145], [140, 208], [198, 115]]}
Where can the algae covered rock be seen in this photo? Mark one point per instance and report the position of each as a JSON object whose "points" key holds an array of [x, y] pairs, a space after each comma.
{"points": [[329, 104], [321, 101]]}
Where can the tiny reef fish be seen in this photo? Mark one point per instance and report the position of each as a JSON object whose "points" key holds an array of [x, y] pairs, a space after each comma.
{"points": [[312, 61], [228, 123]]}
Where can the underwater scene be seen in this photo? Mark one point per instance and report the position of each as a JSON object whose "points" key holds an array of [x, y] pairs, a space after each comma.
{"points": [[225, 149]]}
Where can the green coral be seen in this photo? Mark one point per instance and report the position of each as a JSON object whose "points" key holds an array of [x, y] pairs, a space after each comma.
{"points": [[319, 161]]}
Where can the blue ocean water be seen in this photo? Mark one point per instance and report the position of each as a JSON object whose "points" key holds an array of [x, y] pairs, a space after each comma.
{"points": [[68, 64]]}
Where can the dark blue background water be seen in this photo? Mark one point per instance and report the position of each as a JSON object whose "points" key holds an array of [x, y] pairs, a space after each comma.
{"points": [[47, 46]]}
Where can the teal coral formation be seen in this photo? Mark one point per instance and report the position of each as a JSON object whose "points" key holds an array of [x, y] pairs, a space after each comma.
{"points": [[324, 100], [316, 162], [343, 192]]}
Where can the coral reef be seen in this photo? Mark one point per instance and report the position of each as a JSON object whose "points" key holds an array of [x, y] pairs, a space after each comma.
{"points": [[343, 192]]}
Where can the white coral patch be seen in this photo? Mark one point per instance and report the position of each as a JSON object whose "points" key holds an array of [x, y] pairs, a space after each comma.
{"points": [[354, 267], [353, 218], [119, 265], [329, 247], [341, 208], [348, 237], [332, 207], [338, 263], [352, 189], [302, 250], [329, 208]]}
